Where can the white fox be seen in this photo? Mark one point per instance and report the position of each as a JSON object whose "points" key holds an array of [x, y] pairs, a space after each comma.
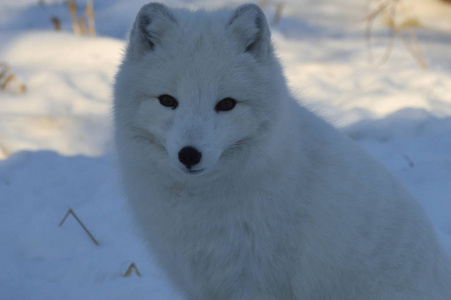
{"points": [[244, 194]]}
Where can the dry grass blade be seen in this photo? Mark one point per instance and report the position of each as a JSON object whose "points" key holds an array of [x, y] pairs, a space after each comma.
{"points": [[278, 14], [71, 212], [132, 268], [4, 69], [387, 10], [279, 8], [4, 152], [263, 3], [91, 18], [389, 6], [73, 15], [413, 46], [9, 80], [82, 24]]}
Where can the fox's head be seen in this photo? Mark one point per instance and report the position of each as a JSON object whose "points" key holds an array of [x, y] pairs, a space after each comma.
{"points": [[196, 89]]}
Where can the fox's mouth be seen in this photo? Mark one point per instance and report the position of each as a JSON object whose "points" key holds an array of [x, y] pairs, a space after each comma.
{"points": [[193, 172]]}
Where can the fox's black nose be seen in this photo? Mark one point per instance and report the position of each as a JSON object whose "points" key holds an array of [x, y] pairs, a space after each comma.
{"points": [[189, 156]]}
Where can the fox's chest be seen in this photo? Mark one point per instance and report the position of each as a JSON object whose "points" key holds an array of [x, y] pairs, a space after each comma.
{"points": [[220, 246], [224, 227]]}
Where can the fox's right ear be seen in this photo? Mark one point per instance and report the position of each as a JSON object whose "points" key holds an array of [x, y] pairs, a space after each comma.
{"points": [[249, 28], [151, 23]]}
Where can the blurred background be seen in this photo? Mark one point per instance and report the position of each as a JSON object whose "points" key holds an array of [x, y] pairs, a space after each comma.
{"points": [[349, 60], [378, 70]]}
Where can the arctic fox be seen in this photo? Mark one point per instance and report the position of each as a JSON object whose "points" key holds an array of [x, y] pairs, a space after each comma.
{"points": [[244, 194]]}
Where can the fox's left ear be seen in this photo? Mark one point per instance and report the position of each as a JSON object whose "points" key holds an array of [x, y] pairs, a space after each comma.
{"points": [[249, 27]]}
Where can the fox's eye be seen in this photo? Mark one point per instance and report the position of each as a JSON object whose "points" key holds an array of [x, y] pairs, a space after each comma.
{"points": [[225, 104], [168, 101]]}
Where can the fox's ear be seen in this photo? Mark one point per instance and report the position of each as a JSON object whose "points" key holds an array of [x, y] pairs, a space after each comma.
{"points": [[249, 27], [151, 24]]}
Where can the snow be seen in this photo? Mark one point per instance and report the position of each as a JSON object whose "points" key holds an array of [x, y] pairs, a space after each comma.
{"points": [[55, 140]]}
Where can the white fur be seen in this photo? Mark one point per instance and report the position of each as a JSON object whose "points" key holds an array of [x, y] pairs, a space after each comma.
{"points": [[286, 207]]}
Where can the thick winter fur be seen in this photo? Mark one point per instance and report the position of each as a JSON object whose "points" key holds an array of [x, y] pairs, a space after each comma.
{"points": [[281, 205]]}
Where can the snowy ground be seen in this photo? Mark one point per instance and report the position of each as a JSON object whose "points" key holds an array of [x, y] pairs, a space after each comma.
{"points": [[55, 140]]}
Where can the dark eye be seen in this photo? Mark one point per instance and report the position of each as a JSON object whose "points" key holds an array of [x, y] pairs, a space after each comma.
{"points": [[168, 101], [225, 104]]}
